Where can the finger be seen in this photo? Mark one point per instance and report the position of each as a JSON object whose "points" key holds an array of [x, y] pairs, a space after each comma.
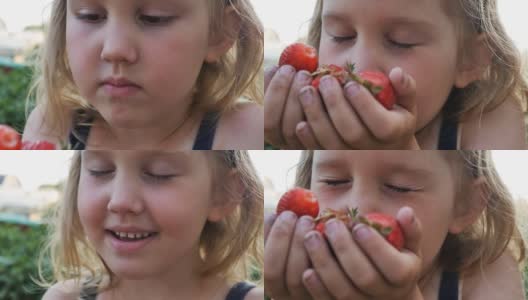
{"points": [[268, 223], [398, 268], [345, 120], [268, 74], [412, 229], [298, 260], [327, 267], [315, 286], [405, 88], [354, 262], [274, 101], [318, 119], [276, 254], [372, 114], [293, 112], [306, 136]]}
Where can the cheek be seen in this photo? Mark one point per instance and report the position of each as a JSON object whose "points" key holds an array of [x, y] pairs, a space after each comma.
{"points": [[82, 58], [92, 210]]}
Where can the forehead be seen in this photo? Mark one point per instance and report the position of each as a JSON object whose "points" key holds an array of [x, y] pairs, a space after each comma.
{"points": [[378, 11], [432, 163]]}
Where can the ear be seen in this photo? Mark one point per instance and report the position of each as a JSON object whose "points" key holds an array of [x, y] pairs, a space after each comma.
{"points": [[227, 198], [466, 215], [474, 61], [224, 39]]}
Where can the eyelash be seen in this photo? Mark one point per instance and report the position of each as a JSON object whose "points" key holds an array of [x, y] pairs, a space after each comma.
{"points": [[146, 19], [398, 189], [155, 177], [343, 39]]}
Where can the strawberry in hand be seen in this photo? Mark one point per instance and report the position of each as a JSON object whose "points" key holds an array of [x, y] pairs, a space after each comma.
{"points": [[38, 145], [300, 56], [300, 201]]}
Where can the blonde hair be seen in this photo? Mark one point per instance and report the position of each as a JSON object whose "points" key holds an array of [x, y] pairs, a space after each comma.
{"points": [[503, 79], [484, 241], [219, 86], [231, 247]]}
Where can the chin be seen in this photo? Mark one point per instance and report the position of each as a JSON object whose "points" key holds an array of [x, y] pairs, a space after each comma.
{"points": [[132, 270]]}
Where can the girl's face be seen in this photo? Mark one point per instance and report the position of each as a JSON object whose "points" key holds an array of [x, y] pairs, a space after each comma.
{"points": [[137, 61], [144, 211], [417, 36], [385, 181]]}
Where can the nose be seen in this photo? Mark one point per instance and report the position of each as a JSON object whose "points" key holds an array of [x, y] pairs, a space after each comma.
{"points": [[363, 195], [125, 197], [119, 44], [365, 54]]}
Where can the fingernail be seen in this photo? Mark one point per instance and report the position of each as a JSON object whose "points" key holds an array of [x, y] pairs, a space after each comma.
{"points": [[331, 227], [287, 216], [326, 82], [352, 88], [362, 232], [303, 76], [286, 70], [306, 222], [312, 240], [306, 96]]}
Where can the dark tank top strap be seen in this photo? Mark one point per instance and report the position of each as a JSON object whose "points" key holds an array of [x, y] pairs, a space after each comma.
{"points": [[448, 286], [239, 291], [206, 133]]}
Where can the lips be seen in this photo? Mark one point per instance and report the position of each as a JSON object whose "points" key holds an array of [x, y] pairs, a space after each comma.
{"points": [[119, 87], [127, 240]]}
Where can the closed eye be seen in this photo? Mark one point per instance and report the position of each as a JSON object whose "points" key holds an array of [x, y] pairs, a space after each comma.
{"points": [[90, 18], [99, 173], [159, 177], [401, 189], [155, 20], [402, 45], [341, 39], [332, 182]]}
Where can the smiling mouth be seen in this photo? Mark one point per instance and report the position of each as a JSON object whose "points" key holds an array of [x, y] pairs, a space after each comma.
{"points": [[129, 236]]}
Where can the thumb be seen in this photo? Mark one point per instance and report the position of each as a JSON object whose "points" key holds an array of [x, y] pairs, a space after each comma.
{"points": [[412, 229], [405, 88]]}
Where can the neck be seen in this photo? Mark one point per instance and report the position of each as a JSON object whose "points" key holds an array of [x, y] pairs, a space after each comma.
{"points": [[427, 136], [156, 134], [179, 280]]}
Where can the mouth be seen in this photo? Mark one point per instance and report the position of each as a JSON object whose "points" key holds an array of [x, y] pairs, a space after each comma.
{"points": [[131, 236]]}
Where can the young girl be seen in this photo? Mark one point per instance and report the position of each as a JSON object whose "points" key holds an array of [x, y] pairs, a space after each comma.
{"points": [[457, 217], [147, 74], [158, 225], [456, 74]]}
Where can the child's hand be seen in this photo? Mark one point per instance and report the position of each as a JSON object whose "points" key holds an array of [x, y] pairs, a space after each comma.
{"points": [[282, 109], [354, 119], [285, 258], [367, 267]]}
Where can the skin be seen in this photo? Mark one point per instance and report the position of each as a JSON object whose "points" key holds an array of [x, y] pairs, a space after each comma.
{"points": [[404, 39], [148, 42], [151, 190], [420, 193]]}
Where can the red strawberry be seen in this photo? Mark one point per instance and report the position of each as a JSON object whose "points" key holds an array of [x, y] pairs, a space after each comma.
{"points": [[300, 56], [380, 86], [386, 225], [300, 201], [320, 226], [338, 72], [9, 138], [38, 145]]}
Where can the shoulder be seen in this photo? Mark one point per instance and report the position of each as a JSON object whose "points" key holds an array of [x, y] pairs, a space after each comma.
{"points": [[67, 290], [36, 128], [256, 293], [501, 128], [241, 128], [500, 280]]}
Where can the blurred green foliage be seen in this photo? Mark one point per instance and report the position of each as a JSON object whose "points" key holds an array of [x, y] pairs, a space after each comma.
{"points": [[19, 252], [14, 87]]}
